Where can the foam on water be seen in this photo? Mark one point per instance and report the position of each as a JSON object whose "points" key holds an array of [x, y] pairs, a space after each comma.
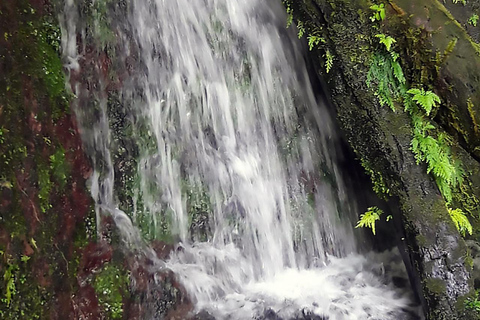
{"points": [[356, 287]]}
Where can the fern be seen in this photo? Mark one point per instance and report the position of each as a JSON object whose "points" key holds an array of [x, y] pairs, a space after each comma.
{"points": [[386, 40], [425, 99], [289, 15], [378, 12], [369, 218], [461, 221], [397, 70], [329, 60], [473, 20], [436, 154], [386, 71], [301, 29], [314, 40]]}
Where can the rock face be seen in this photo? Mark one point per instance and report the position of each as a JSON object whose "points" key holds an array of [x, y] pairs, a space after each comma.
{"points": [[54, 264], [435, 252], [44, 205]]}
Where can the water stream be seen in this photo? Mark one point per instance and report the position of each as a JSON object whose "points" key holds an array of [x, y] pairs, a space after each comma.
{"points": [[235, 159]]}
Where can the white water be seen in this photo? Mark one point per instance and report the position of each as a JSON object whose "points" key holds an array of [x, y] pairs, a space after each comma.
{"points": [[226, 119]]}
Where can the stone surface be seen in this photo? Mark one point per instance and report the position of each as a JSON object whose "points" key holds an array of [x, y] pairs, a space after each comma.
{"points": [[434, 250]]}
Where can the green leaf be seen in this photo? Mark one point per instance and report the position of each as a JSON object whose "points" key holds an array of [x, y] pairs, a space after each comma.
{"points": [[379, 12], [301, 29], [386, 40], [427, 100], [289, 16], [382, 12], [473, 20], [34, 243], [461, 221], [9, 279], [314, 40], [369, 218], [329, 61], [398, 72]]}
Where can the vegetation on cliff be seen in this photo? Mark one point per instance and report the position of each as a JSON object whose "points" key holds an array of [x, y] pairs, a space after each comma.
{"points": [[402, 54], [46, 215]]}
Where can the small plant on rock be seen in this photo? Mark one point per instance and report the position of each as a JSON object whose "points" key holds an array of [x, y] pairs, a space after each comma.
{"points": [[378, 12], [386, 40], [369, 218], [473, 20], [461, 221], [427, 100]]}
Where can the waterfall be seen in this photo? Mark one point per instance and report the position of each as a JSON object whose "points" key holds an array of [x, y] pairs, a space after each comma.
{"points": [[235, 157]]}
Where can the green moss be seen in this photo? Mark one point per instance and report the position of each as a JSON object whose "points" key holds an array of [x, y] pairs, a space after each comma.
{"points": [[469, 262], [33, 166], [44, 186], [435, 286], [472, 113], [51, 177], [379, 185], [422, 240], [39, 40], [22, 299], [59, 166], [111, 284], [466, 199], [199, 208]]}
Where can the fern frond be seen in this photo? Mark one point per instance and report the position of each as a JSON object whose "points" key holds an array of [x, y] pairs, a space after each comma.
{"points": [[461, 221], [329, 61], [369, 218], [427, 100], [443, 168], [445, 189], [398, 72], [289, 16], [379, 12], [386, 40], [301, 29]]}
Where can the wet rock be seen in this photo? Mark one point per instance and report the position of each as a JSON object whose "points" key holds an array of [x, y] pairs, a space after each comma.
{"points": [[85, 304], [475, 254], [433, 250], [203, 315], [308, 315], [159, 294], [162, 249], [95, 255], [270, 314]]}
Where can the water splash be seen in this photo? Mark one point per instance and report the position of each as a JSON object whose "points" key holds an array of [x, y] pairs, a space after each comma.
{"points": [[355, 287], [236, 159]]}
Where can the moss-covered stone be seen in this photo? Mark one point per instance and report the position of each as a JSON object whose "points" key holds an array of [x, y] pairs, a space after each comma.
{"points": [[45, 209], [382, 138]]}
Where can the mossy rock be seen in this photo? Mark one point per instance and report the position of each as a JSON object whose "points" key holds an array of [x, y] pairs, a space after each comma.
{"points": [[382, 138]]}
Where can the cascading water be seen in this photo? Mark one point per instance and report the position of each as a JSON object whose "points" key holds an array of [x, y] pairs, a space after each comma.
{"points": [[236, 161]]}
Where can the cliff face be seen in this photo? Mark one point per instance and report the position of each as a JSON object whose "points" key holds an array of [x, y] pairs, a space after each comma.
{"points": [[57, 260], [52, 265], [436, 52], [45, 207]]}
